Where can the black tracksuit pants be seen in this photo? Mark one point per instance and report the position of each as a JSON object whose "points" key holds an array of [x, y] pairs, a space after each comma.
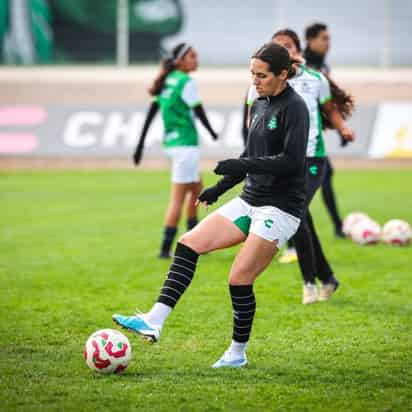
{"points": [[328, 196], [312, 260]]}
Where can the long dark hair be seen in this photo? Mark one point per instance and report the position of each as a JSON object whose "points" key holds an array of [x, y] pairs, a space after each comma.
{"points": [[167, 66], [342, 100], [277, 57]]}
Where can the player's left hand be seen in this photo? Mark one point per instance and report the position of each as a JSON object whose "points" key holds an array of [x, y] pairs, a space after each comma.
{"points": [[347, 134], [208, 197]]}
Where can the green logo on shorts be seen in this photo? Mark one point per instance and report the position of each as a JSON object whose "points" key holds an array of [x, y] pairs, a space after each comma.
{"points": [[272, 123], [313, 170], [268, 223]]}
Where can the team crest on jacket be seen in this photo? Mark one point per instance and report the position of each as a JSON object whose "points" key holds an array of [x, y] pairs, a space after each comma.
{"points": [[313, 170], [272, 123]]}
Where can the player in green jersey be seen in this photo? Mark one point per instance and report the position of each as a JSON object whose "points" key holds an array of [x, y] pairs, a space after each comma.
{"points": [[176, 96]]}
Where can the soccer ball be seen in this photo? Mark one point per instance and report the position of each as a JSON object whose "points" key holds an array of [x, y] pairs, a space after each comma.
{"points": [[366, 232], [351, 220], [396, 232], [107, 351]]}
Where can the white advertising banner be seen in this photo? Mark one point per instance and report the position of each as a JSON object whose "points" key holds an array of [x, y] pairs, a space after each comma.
{"points": [[392, 133], [113, 131]]}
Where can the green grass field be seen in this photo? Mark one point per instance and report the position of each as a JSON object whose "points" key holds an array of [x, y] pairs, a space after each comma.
{"points": [[77, 246]]}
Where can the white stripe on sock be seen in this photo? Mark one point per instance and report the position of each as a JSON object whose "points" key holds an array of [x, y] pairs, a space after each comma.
{"points": [[191, 270], [180, 274], [187, 260]]}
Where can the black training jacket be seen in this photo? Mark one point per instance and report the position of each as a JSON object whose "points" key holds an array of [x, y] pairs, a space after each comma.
{"points": [[275, 153]]}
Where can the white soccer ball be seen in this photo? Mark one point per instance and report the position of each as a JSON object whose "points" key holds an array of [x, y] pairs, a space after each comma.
{"points": [[366, 232], [107, 351], [351, 220], [396, 232]]}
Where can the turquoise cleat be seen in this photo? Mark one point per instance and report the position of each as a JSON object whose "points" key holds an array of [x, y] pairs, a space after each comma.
{"points": [[229, 361], [138, 324]]}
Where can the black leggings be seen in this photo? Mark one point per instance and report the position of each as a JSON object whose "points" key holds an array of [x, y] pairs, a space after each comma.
{"points": [[312, 260], [328, 196]]}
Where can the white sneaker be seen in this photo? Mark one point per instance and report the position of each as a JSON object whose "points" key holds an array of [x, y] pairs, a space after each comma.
{"points": [[231, 360], [310, 294], [328, 289]]}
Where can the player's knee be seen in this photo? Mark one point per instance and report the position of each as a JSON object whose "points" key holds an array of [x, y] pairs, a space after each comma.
{"points": [[240, 275], [195, 242], [240, 279], [175, 210]]}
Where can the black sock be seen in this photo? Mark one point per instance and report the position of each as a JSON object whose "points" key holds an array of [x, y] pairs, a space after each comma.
{"points": [[168, 237], [244, 306], [191, 223], [180, 275]]}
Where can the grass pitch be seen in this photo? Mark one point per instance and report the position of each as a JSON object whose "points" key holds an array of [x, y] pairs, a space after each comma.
{"points": [[77, 246]]}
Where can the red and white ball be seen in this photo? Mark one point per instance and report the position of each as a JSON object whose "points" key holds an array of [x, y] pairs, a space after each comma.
{"points": [[107, 351], [366, 232], [396, 232], [351, 220]]}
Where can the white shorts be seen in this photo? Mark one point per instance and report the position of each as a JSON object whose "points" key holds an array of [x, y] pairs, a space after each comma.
{"points": [[185, 163], [267, 222]]}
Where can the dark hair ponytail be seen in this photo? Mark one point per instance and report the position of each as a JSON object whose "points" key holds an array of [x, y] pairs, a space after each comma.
{"points": [[167, 66], [343, 102], [292, 71]]}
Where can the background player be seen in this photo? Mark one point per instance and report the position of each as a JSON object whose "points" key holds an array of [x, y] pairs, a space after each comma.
{"points": [[176, 94], [317, 47]]}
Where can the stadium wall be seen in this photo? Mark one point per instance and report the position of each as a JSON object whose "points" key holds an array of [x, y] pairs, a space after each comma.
{"points": [[98, 112]]}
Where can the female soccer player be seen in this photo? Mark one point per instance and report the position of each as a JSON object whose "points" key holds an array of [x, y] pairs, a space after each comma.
{"points": [[314, 88], [266, 214], [317, 46], [175, 93]]}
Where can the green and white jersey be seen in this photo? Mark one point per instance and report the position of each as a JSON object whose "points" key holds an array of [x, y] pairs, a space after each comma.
{"points": [[178, 97], [314, 88]]}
